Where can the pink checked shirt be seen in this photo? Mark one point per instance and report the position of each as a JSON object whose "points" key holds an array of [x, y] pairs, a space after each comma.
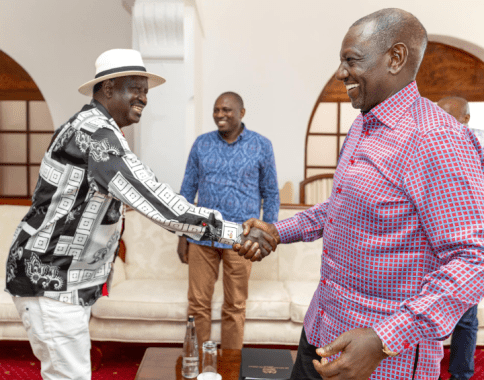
{"points": [[403, 233]]}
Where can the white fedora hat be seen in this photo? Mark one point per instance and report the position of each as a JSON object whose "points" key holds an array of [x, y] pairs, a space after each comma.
{"points": [[120, 63]]}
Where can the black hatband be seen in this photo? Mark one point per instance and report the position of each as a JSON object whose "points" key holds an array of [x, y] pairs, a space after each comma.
{"points": [[119, 70]]}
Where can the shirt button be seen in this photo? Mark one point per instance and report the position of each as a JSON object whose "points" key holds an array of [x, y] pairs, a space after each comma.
{"points": [[406, 345], [325, 251], [367, 133], [352, 161], [321, 313], [338, 189], [331, 220], [323, 281]]}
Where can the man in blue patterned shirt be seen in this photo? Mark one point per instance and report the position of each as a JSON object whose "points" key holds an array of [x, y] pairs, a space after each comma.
{"points": [[233, 170]]}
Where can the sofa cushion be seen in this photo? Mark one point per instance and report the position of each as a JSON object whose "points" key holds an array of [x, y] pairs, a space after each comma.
{"points": [[123, 330], [300, 261], [8, 311], [167, 301], [268, 300], [145, 300], [151, 250], [301, 294], [266, 270]]}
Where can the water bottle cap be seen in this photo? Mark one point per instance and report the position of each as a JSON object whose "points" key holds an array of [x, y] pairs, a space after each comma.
{"points": [[191, 318]]}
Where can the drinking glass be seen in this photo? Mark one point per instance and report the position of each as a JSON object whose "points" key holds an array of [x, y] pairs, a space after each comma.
{"points": [[209, 360]]}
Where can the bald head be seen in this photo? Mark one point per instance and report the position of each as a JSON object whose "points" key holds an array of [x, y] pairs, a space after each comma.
{"points": [[392, 26], [457, 107]]}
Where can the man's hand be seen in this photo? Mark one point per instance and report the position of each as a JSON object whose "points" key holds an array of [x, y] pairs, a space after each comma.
{"points": [[361, 353], [258, 239], [183, 249]]}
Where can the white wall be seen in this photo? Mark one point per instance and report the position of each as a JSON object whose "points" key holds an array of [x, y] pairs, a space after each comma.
{"points": [[58, 41]]}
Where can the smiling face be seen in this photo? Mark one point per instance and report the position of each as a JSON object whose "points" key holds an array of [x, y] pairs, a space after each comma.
{"points": [[128, 97], [228, 114], [364, 68]]}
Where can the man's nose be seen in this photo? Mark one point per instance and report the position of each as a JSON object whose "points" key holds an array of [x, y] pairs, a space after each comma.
{"points": [[341, 73], [144, 98]]}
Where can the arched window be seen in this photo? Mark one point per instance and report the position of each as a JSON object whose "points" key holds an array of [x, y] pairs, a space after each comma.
{"points": [[25, 130], [445, 71]]}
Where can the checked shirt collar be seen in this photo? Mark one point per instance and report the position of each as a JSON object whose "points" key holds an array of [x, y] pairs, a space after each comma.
{"points": [[391, 110]]}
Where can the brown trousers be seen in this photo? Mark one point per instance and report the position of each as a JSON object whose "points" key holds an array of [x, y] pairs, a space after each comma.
{"points": [[203, 269]]}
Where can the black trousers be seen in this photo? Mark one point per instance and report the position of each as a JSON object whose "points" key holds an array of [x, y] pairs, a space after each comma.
{"points": [[303, 368]]}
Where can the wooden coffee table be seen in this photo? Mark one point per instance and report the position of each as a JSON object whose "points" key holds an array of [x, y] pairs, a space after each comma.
{"points": [[160, 363]]}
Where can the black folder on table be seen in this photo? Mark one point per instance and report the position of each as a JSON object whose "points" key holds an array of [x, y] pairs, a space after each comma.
{"points": [[262, 364]]}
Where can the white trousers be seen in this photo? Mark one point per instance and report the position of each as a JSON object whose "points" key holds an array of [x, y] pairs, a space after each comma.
{"points": [[59, 335]]}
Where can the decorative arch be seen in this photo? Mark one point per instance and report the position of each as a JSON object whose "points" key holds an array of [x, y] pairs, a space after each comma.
{"points": [[15, 82], [446, 70], [25, 129]]}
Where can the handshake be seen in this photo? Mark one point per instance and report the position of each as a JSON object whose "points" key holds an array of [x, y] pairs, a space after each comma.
{"points": [[259, 239]]}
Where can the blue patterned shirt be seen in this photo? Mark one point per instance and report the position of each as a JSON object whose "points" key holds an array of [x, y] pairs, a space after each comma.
{"points": [[233, 178]]}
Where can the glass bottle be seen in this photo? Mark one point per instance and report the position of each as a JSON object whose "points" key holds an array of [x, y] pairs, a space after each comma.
{"points": [[190, 351]]}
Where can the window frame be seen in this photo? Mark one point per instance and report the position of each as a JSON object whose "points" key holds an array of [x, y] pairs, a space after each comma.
{"points": [[19, 86]]}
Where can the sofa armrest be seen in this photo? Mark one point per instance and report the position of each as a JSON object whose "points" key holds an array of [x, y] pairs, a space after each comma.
{"points": [[119, 274]]}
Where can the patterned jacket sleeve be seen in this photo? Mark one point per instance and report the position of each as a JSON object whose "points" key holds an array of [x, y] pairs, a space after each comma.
{"points": [[445, 183], [190, 181], [268, 186], [307, 225], [117, 171]]}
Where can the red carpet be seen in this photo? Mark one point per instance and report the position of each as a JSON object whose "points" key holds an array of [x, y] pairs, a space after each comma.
{"points": [[121, 361], [478, 364]]}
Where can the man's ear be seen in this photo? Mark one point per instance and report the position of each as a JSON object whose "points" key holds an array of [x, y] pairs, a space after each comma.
{"points": [[398, 57], [242, 113], [466, 119], [108, 88]]}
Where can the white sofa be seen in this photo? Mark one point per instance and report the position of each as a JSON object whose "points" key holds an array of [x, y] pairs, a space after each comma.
{"points": [[148, 299]]}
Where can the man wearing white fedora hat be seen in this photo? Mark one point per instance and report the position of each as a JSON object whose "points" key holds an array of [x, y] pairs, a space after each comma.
{"points": [[62, 252]]}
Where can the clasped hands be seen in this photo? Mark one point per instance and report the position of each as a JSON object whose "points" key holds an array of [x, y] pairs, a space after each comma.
{"points": [[259, 239]]}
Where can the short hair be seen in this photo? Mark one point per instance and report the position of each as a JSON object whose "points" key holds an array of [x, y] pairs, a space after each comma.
{"points": [[394, 25], [99, 85], [234, 95]]}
